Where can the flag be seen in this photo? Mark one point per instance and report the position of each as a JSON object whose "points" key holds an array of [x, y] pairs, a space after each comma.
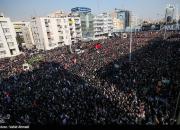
{"points": [[98, 46]]}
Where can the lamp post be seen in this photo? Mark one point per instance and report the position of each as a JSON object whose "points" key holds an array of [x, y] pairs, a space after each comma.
{"points": [[177, 23], [130, 47]]}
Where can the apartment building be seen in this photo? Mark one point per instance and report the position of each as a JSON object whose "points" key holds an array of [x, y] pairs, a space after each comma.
{"points": [[75, 27], [86, 21], [28, 36], [50, 32], [8, 43], [18, 25], [103, 26], [121, 19], [74, 24]]}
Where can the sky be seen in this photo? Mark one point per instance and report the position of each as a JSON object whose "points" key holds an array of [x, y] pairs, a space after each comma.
{"points": [[25, 9]]}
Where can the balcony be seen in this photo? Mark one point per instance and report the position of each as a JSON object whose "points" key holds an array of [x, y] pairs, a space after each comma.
{"points": [[9, 40], [60, 32], [7, 33], [48, 29], [4, 25]]}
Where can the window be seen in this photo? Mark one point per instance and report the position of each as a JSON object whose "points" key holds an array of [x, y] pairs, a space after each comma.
{"points": [[2, 52], [6, 30], [4, 24], [1, 45], [58, 20], [13, 51], [9, 37], [11, 44], [61, 38]]}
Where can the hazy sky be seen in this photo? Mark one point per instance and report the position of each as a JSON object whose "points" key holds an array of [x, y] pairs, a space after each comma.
{"points": [[24, 9]]}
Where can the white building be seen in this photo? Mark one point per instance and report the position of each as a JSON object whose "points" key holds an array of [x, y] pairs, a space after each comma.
{"points": [[50, 32], [18, 25], [74, 24], [103, 26], [24, 32], [8, 43], [75, 27]]}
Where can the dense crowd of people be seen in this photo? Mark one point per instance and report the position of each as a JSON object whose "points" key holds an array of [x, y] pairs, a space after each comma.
{"points": [[98, 86]]}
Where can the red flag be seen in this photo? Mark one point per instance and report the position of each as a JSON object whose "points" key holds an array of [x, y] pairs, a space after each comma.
{"points": [[98, 46]]}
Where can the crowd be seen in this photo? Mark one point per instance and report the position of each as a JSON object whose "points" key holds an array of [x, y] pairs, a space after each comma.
{"points": [[98, 86]]}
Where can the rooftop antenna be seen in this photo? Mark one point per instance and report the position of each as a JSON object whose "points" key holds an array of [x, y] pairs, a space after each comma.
{"points": [[130, 46]]}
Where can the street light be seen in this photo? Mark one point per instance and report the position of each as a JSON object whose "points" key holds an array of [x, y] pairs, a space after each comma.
{"points": [[177, 23], [130, 45]]}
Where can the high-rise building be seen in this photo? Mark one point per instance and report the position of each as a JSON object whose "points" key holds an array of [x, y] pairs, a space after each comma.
{"points": [[169, 13], [50, 32], [103, 26], [8, 43], [28, 36], [18, 26], [121, 19], [74, 24], [86, 21], [75, 27]]}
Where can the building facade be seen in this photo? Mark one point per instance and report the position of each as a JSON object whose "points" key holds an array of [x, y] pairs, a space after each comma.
{"points": [[28, 36], [121, 19], [103, 26], [75, 27], [50, 32], [74, 24], [169, 13], [18, 25], [86, 21], [8, 43]]}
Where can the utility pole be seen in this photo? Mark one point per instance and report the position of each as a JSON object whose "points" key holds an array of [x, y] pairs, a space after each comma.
{"points": [[165, 25], [177, 103], [130, 45], [177, 24]]}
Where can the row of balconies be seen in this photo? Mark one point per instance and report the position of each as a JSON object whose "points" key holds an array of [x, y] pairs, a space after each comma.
{"points": [[4, 25]]}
